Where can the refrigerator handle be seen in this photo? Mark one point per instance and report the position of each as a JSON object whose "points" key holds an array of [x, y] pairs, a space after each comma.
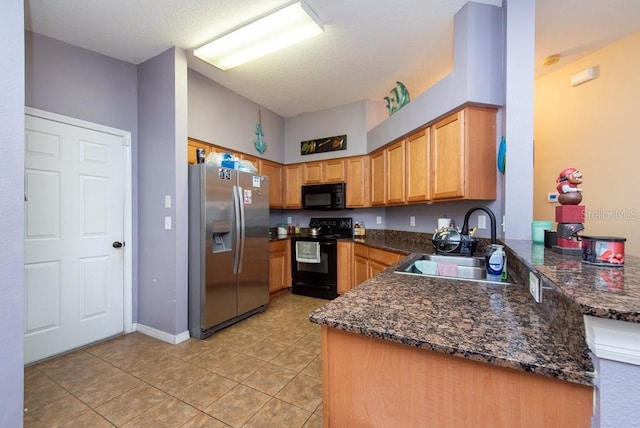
{"points": [[238, 237], [242, 229]]}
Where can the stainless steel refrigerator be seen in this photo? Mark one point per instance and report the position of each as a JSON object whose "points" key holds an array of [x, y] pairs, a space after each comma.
{"points": [[228, 247]]}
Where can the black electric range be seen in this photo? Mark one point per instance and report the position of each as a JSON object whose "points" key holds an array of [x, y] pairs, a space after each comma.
{"points": [[314, 270]]}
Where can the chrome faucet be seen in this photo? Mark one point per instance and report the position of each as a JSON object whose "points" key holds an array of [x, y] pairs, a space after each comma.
{"points": [[465, 240]]}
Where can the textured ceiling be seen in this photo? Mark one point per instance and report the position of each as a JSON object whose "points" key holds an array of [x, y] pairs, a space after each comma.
{"points": [[367, 45]]}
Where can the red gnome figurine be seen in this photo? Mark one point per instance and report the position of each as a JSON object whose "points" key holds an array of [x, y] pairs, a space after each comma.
{"points": [[568, 191]]}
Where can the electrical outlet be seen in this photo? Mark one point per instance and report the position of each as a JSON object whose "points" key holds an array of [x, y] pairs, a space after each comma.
{"points": [[378, 219], [167, 223], [482, 222], [288, 220], [534, 287], [412, 220], [167, 201]]}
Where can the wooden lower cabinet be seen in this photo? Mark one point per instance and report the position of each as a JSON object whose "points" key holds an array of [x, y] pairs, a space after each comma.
{"points": [[345, 261], [279, 265], [368, 382], [369, 261], [360, 263], [379, 260]]}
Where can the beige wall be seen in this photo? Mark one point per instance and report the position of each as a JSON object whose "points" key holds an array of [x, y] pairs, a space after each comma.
{"points": [[594, 127]]}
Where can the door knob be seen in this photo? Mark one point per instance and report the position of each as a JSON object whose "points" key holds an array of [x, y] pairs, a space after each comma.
{"points": [[117, 244]]}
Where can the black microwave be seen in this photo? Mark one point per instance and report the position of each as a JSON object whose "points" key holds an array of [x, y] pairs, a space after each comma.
{"points": [[323, 196]]}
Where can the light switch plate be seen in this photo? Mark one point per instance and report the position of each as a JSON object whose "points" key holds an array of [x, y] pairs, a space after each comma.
{"points": [[167, 201], [167, 223], [482, 222], [534, 287], [378, 219], [412, 220]]}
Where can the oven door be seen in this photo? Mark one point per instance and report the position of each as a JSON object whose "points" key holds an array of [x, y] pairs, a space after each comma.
{"points": [[315, 279]]}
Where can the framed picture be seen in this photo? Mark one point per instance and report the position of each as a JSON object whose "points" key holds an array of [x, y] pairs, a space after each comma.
{"points": [[322, 145]]}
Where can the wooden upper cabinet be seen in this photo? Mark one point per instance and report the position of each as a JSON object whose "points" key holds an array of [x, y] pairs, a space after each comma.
{"points": [[274, 171], [447, 167], [192, 145], [463, 155], [418, 179], [333, 171], [378, 177], [255, 160], [326, 171], [357, 179], [395, 165], [293, 186], [312, 173]]}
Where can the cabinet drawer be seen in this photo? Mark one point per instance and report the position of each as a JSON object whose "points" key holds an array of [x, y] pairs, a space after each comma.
{"points": [[361, 250], [384, 257]]}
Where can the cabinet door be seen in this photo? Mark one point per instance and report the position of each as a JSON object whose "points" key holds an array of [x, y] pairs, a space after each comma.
{"points": [[312, 173], [384, 258], [255, 161], [356, 177], [274, 171], [333, 171], [378, 178], [293, 186], [345, 266], [375, 268], [448, 157], [277, 263], [395, 173], [480, 153], [192, 145], [360, 264], [417, 167]]}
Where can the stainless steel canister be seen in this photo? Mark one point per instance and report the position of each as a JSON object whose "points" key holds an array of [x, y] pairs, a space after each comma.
{"points": [[200, 155]]}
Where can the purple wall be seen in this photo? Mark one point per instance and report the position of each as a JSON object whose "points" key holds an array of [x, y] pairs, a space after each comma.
{"points": [[78, 83], [162, 269], [220, 116], [11, 207]]}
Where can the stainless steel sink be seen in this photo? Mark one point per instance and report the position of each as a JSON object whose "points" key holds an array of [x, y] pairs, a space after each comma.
{"points": [[454, 267]]}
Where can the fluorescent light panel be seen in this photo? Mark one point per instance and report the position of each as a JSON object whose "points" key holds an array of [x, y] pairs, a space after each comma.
{"points": [[278, 30]]}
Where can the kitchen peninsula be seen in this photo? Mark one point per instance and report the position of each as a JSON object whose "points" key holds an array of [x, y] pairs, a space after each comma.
{"points": [[409, 349]]}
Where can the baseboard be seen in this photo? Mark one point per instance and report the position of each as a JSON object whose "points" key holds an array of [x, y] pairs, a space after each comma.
{"points": [[161, 335]]}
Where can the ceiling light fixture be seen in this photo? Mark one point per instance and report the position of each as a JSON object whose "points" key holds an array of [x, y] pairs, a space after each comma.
{"points": [[269, 33]]}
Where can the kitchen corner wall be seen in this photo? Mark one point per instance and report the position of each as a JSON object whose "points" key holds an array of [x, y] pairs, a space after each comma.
{"points": [[220, 116], [353, 120], [593, 127], [12, 67], [163, 274]]}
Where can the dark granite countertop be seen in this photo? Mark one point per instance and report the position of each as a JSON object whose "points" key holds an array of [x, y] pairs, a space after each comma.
{"points": [[496, 324]]}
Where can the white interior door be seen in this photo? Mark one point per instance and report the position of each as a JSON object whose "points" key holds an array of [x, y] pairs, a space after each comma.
{"points": [[74, 213]]}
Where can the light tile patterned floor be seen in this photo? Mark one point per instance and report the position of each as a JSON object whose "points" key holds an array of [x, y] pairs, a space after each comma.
{"points": [[262, 372]]}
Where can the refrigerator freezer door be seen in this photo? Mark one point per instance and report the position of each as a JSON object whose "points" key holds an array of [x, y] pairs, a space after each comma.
{"points": [[220, 292], [253, 284]]}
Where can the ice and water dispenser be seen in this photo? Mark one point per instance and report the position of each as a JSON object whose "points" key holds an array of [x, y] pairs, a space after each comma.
{"points": [[221, 230]]}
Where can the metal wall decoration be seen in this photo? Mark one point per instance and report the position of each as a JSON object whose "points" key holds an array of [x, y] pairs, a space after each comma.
{"points": [[260, 144], [322, 145], [398, 99]]}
